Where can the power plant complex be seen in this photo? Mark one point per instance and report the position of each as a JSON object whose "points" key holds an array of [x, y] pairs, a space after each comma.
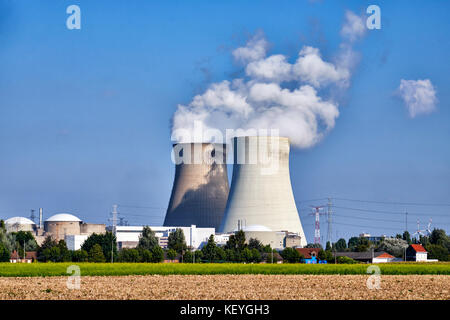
{"points": [[260, 201]]}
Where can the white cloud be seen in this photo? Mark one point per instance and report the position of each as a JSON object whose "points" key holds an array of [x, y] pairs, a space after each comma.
{"points": [[254, 50], [354, 27], [419, 96]]}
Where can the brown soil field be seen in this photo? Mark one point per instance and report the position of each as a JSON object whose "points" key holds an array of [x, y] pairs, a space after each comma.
{"points": [[239, 287]]}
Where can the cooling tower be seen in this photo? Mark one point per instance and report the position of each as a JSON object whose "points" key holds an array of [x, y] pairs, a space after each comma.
{"points": [[200, 188], [261, 193]]}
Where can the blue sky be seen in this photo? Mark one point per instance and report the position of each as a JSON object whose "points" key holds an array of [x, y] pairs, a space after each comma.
{"points": [[85, 114]]}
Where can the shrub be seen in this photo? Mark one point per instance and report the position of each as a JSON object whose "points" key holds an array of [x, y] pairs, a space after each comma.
{"points": [[345, 260]]}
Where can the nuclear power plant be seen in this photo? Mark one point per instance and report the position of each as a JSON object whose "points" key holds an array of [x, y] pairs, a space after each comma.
{"points": [[261, 197], [200, 188]]}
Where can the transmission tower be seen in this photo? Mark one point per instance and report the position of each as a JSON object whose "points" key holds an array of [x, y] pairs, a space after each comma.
{"points": [[317, 214]]}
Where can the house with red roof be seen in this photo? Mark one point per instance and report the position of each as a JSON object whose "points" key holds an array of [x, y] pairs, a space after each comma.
{"points": [[416, 252]]}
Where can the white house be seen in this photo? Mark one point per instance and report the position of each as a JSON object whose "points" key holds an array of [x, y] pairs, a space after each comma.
{"points": [[416, 252]]}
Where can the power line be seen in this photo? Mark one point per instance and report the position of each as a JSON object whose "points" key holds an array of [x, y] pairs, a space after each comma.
{"points": [[392, 212], [398, 203]]}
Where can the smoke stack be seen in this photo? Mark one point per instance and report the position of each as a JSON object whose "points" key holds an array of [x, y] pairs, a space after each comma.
{"points": [[200, 188], [41, 217], [261, 192]]}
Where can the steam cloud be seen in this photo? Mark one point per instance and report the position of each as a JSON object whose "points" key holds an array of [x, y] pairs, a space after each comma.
{"points": [[294, 98]]}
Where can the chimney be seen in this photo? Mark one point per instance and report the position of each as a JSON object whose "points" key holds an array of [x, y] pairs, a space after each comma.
{"points": [[41, 211]]}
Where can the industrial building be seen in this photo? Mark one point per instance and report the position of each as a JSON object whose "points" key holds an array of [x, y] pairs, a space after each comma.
{"points": [[261, 192], [61, 226], [16, 224], [128, 236], [200, 187]]}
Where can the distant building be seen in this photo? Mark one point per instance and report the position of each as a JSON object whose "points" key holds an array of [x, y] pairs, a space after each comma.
{"points": [[292, 240], [128, 236], [74, 242], [367, 256], [266, 236], [372, 238], [416, 252]]}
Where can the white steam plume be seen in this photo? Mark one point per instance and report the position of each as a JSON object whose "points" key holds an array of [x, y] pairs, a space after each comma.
{"points": [[265, 97]]}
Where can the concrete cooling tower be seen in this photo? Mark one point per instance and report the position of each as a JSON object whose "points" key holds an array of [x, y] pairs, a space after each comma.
{"points": [[261, 192], [200, 188]]}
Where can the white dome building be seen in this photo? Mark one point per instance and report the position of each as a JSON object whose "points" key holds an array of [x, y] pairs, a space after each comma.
{"points": [[16, 224], [62, 224]]}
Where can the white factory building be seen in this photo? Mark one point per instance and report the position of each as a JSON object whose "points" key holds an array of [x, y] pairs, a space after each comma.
{"points": [[128, 236]]}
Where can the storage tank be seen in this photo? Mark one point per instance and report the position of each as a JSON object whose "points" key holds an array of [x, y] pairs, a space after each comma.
{"points": [[261, 192], [200, 187]]}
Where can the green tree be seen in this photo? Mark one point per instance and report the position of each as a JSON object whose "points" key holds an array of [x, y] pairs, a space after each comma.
{"points": [[341, 245], [188, 257], [96, 254], [129, 255], [328, 246], [407, 237], [325, 255], [236, 241], [177, 241], [352, 243], [80, 256], [210, 249], [53, 254], [230, 255], [43, 251], [4, 253], [254, 243], [290, 255], [256, 255], [106, 241], [439, 237], [220, 254], [436, 251], [147, 239], [157, 254], [65, 254], [198, 255], [145, 255], [247, 255], [171, 254]]}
